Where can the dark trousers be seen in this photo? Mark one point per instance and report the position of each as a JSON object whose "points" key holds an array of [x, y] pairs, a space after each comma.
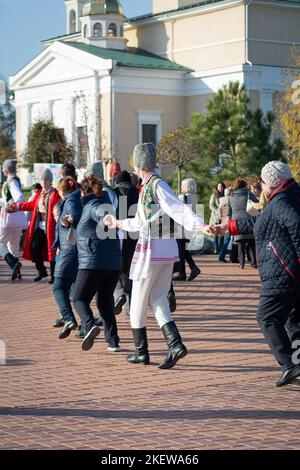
{"points": [[242, 244], [102, 284], [61, 290], [279, 319], [38, 245], [184, 256]]}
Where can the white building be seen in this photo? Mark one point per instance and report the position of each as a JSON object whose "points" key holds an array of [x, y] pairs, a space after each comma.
{"points": [[112, 82]]}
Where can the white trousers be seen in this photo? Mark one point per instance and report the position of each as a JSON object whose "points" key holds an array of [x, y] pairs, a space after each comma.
{"points": [[10, 241], [152, 292]]}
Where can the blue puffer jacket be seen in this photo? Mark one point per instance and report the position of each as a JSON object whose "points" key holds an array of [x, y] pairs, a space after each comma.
{"points": [[277, 234], [97, 253], [67, 263]]}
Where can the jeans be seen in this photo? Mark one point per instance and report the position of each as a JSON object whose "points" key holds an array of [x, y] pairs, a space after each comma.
{"points": [[61, 291], [279, 319], [102, 284], [225, 247]]}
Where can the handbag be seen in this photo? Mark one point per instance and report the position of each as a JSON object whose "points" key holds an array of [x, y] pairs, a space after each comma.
{"points": [[251, 210]]}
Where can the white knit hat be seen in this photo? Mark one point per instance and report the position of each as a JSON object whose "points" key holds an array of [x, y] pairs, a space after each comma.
{"points": [[274, 173]]}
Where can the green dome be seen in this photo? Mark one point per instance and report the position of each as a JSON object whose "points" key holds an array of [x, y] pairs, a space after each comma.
{"points": [[102, 7]]}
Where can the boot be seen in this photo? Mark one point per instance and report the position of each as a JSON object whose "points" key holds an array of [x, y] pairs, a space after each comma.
{"points": [[41, 274], [177, 348], [14, 264], [141, 355]]}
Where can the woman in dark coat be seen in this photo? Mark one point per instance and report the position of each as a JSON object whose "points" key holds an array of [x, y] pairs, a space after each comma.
{"points": [[100, 263], [238, 209], [277, 233], [67, 263]]}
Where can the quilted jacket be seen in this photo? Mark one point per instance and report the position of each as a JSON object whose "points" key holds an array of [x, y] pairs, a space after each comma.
{"points": [[277, 235]]}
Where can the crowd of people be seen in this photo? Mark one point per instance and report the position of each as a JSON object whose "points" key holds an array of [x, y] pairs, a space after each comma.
{"points": [[120, 246]]}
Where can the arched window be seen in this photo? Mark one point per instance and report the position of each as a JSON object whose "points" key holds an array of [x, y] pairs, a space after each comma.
{"points": [[112, 30], [72, 21], [97, 30], [85, 31]]}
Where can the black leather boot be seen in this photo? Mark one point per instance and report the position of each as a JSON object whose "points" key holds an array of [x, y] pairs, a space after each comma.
{"points": [[141, 355], [41, 274], [177, 348], [14, 264]]}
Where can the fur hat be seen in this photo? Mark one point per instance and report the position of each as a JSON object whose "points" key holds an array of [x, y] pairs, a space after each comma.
{"points": [[10, 166], [95, 169], [145, 157], [273, 173]]}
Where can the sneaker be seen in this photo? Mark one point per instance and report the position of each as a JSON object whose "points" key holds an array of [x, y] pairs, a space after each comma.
{"points": [[114, 349], [119, 304], [88, 341], [68, 327], [59, 322], [289, 376]]}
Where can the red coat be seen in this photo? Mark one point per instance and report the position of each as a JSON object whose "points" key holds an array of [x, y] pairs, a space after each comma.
{"points": [[32, 206]]}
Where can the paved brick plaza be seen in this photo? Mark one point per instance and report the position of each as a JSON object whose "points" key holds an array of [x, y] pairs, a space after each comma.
{"points": [[222, 396]]}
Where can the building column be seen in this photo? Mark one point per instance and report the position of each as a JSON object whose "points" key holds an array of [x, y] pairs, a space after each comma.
{"points": [[70, 123], [25, 125]]}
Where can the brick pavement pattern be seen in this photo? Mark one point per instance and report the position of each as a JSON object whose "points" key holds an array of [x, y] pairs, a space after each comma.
{"points": [[221, 396]]}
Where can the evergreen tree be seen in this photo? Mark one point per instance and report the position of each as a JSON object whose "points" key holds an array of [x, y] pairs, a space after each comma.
{"points": [[7, 131], [47, 144], [233, 139]]}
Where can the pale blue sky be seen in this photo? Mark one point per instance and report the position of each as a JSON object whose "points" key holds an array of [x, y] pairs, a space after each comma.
{"points": [[24, 23]]}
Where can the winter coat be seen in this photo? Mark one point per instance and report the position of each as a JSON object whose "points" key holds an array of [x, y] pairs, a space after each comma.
{"points": [[32, 206], [67, 262], [94, 252], [238, 205], [277, 234], [214, 207]]}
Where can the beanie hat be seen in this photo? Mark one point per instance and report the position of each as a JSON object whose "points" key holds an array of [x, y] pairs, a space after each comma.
{"points": [[47, 175], [124, 177], [145, 157], [10, 166], [273, 173], [95, 169]]}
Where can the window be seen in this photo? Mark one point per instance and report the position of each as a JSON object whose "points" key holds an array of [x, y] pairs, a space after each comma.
{"points": [[121, 31], [112, 30], [72, 22], [149, 133], [85, 31], [83, 146], [97, 30]]}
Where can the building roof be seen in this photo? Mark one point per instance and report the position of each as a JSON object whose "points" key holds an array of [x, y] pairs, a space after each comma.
{"points": [[102, 7], [186, 7], [130, 57]]}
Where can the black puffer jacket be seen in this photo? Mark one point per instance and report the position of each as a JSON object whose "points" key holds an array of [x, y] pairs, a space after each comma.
{"points": [[277, 234]]}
